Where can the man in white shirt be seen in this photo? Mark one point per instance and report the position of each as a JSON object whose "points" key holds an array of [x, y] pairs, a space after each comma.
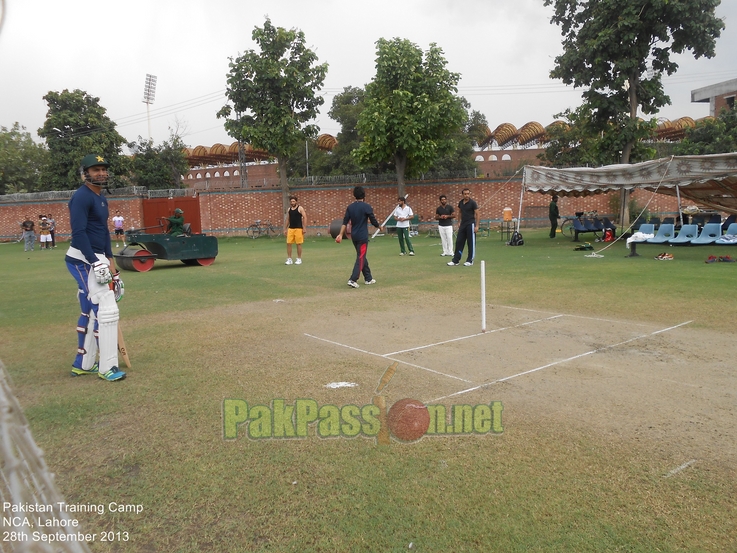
{"points": [[403, 214], [118, 226]]}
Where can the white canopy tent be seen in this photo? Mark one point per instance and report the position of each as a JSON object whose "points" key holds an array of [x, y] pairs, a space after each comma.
{"points": [[709, 180]]}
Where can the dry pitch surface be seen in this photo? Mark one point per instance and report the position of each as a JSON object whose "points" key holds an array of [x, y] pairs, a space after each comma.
{"points": [[668, 388]]}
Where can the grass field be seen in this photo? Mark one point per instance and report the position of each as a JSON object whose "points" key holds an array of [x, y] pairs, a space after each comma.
{"points": [[626, 443]]}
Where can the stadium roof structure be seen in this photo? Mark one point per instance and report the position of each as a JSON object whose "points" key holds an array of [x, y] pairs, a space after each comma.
{"points": [[708, 180], [534, 134], [219, 154]]}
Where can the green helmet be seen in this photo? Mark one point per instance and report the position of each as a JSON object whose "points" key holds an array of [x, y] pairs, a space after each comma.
{"points": [[92, 160], [178, 211]]}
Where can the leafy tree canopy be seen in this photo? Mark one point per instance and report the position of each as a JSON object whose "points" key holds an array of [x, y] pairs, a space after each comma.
{"points": [[158, 167], [21, 161], [458, 157], [77, 125], [411, 109], [618, 50], [580, 142], [711, 136], [273, 94]]}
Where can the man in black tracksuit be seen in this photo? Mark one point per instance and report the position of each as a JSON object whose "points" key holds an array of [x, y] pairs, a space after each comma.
{"points": [[467, 230], [359, 213]]}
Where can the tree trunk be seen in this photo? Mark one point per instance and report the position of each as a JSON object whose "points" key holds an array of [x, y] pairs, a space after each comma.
{"points": [[282, 161], [400, 164]]}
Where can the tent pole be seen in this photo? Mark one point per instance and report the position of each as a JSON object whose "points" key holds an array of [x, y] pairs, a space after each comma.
{"points": [[680, 211], [521, 196]]}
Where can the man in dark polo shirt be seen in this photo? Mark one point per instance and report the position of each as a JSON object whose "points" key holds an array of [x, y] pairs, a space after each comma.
{"points": [[444, 215], [467, 230]]}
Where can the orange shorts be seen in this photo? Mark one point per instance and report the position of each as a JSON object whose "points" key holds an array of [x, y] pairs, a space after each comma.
{"points": [[295, 236]]}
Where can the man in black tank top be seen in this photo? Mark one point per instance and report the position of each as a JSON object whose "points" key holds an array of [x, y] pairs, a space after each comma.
{"points": [[295, 226]]}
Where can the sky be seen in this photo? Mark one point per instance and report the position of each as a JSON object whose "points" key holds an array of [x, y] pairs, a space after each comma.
{"points": [[503, 50]]}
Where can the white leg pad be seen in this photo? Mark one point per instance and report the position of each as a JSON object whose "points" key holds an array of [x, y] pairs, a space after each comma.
{"points": [[107, 330], [90, 344]]}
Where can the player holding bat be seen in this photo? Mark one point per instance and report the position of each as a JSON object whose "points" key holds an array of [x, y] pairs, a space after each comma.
{"points": [[90, 261]]}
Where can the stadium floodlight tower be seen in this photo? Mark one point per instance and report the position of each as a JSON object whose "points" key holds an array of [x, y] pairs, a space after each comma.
{"points": [[149, 94]]}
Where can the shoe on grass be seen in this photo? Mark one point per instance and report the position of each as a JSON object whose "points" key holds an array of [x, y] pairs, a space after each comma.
{"points": [[412, 253], [288, 261], [372, 281], [352, 284], [468, 263], [76, 371], [112, 375], [712, 259], [452, 263], [298, 261]]}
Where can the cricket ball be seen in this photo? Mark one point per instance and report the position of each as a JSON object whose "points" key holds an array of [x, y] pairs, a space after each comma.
{"points": [[408, 420]]}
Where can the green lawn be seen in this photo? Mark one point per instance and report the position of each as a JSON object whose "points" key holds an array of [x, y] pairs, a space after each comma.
{"points": [[198, 335]]}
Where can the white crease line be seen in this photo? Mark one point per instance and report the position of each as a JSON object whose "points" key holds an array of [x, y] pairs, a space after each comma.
{"points": [[569, 315], [472, 335], [562, 361], [387, 357], [679, 469]]}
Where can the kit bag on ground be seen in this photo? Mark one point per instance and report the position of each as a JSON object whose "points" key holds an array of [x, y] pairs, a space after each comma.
{"points": [[516, 239]]}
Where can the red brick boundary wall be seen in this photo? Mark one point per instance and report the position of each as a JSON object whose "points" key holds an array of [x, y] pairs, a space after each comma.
{"points": [[230, 212]]}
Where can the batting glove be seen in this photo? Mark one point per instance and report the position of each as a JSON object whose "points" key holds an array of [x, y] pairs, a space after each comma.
{"points": [[118, 287], [102, 272]]}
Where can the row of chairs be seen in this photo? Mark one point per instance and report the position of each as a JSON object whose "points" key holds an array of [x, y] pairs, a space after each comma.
{"points": [[698, 220], [594, 225], [689, 234]]}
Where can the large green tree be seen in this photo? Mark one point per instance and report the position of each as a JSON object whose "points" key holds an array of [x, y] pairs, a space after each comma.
{"points": [[22, 161], [411, 109], [618, 50], [459, 157], [273, 94], [158, 166], [711, 136], [76, 125]]}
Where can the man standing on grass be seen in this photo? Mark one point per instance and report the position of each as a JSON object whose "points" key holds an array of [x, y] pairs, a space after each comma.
{"points": [[403, 214], [358, 214], [444, 215], [118, 222], [90, 261], [29, 233], [467, 229], [295, 227], [553, 215]]}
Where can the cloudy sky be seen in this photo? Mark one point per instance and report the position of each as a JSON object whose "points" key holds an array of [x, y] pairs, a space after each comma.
{"points": [[504, 51]]}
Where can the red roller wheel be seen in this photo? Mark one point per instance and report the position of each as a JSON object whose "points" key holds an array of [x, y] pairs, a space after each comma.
{"points": [[142, 265], [205, 261]]}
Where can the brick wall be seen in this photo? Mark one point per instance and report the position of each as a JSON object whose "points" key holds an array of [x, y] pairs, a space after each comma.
{"points": [[230, 212]]}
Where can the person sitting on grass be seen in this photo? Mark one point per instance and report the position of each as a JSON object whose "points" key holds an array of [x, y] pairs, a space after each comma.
{"points": [[176, 223]]}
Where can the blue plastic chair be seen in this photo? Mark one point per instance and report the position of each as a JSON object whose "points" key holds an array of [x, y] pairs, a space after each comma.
{"points": [[665, 233], [646, 228], [686, 235], [709, 234], [731, 231]]}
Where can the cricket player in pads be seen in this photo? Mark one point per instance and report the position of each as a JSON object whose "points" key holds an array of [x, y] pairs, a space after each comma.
{"points": [[90, 261]]}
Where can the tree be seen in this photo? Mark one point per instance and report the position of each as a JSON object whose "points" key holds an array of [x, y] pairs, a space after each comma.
{"points": [[273, 95], [77, 125], [711, 136], [619, 49], [158, 167], [410, 109], [21, 161], [459, 156], [579, 142]]}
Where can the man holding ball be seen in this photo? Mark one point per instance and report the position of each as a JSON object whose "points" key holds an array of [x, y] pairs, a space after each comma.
{"points": [[359, 213]]}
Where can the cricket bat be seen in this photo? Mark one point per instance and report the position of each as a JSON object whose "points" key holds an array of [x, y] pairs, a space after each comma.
{"points": [[122, 349], [387, 219]]}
